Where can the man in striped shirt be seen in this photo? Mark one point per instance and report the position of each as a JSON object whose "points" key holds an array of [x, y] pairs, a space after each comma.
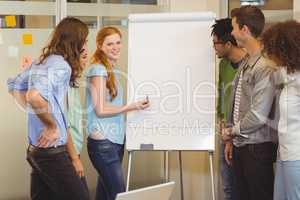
{"points": [[251, 109]]}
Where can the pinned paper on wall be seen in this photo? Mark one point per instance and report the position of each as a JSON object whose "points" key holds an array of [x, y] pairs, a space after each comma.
{"points": [[124, 22], [26, 62], [13, 51], [11, 21], [27, 39]]}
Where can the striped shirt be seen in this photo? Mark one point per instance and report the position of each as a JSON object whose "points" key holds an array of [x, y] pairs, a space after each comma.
{"points": [[254, 104], [237, 99]]}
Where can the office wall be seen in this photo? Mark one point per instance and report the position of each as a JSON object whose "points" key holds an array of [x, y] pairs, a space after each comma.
{"points": [[196, 5], [147, 166], [296, 10], [15, 172], [269, 4]]}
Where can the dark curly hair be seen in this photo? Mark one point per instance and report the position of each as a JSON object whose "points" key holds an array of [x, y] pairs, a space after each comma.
{"points": [[222, 29], [282, 44]]}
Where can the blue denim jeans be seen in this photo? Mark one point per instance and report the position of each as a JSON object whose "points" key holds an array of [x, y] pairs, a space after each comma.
{"points": [[107, 159], [227, 176], [287, 184]]}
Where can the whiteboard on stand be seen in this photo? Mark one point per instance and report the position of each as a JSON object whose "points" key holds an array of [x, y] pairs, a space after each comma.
{"points": [[172, 61]]}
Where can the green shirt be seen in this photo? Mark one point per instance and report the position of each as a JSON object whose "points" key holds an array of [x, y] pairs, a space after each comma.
{"points": [[74, 113], [226, 76]]}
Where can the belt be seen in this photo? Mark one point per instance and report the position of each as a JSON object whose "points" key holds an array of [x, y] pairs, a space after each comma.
{"points": [[48, 151]]}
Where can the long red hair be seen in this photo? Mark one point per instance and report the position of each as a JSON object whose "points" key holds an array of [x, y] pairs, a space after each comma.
{"points": [[100, 57]]}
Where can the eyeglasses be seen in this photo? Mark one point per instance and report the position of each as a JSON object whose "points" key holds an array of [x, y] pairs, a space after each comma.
{"points": [[215, 43]]}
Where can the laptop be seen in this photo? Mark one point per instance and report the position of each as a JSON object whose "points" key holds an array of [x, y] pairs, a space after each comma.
{"points": [[157, 192]]}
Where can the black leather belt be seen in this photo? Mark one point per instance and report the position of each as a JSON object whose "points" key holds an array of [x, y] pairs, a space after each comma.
{"points": [[48, 151]]}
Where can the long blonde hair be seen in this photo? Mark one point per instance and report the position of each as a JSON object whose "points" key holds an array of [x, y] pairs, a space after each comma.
{"points": [[100, 57]]}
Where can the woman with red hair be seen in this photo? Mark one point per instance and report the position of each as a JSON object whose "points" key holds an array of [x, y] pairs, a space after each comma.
{"points": [[106, 114]]}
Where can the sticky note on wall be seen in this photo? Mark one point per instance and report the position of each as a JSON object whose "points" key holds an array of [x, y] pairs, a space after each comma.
{"points": [[11, 21], [13, 51], [27, 39]]}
